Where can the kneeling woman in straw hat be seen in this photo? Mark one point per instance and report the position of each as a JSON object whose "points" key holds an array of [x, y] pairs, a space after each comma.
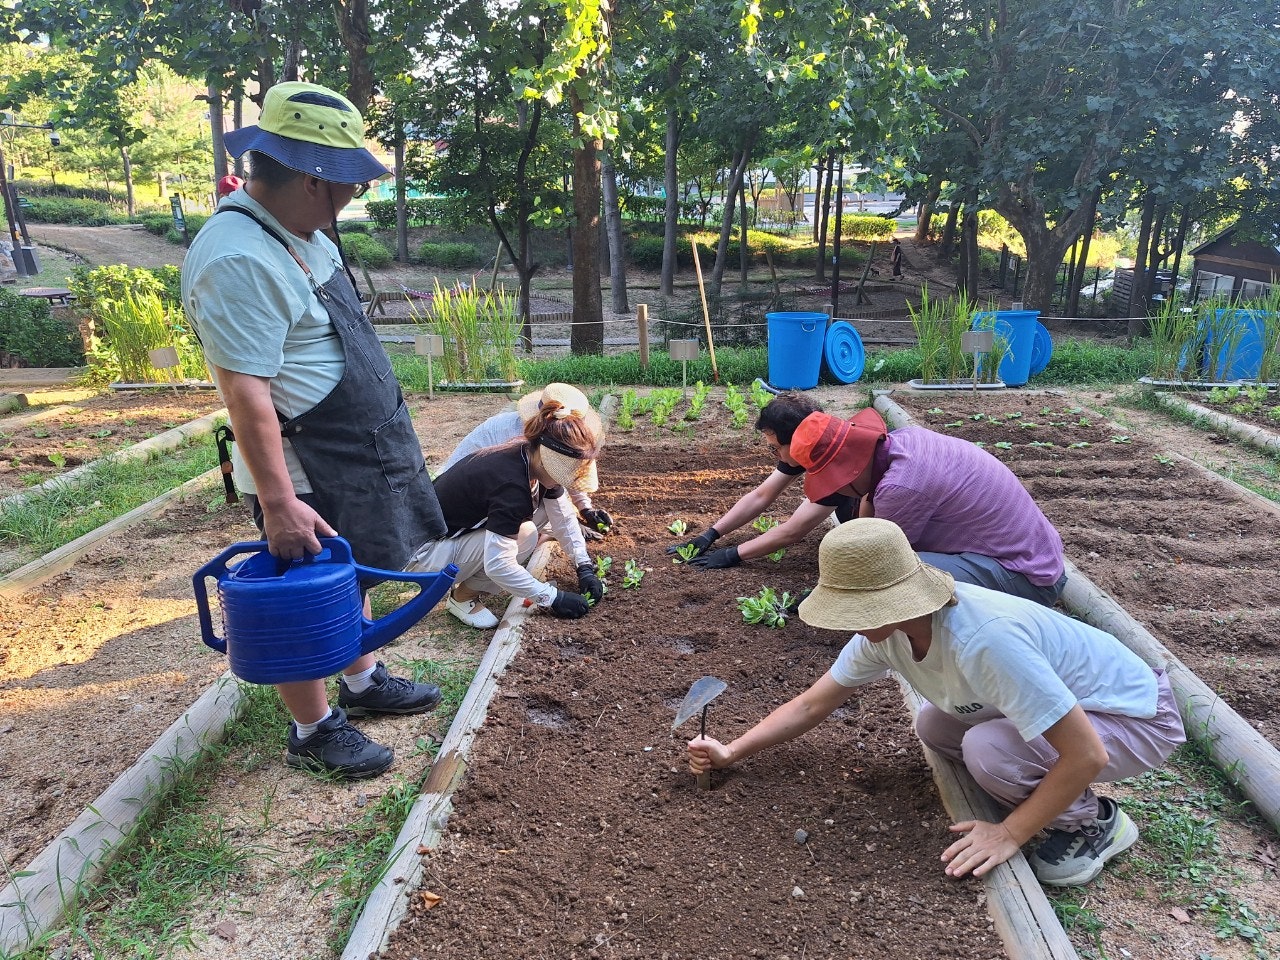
{"points": [[509, 425], [1036, 705], [495, 500]]}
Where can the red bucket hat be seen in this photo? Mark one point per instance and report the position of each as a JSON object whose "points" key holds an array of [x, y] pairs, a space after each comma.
{"points": [[834, 452]]}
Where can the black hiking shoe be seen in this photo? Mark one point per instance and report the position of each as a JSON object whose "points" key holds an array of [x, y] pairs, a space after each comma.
{"points": [[388, 695], [339, 749]]}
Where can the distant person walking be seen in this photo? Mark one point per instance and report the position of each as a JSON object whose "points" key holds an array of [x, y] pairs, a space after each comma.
{"points": [[895, 258]]}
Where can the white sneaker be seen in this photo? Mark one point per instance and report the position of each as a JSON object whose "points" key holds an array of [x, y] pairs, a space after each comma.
{"points": [[471, 612]]}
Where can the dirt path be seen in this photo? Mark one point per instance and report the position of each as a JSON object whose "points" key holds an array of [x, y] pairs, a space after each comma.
{"points": [[98, 246]]}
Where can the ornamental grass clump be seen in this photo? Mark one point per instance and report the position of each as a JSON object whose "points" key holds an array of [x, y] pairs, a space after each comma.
{"points": [[131, 327], [940, 326], [480, 330]]}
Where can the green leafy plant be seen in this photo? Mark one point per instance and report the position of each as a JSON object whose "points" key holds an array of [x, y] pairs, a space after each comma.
{"points": [[768, 608], [763, 524], [632, 574], [677, 527], [777, 555], [759, 395], [481, 332], [685, 553], [603, 566]]}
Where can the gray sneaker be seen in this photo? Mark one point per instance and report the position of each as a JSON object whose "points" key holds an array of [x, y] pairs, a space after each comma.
{"points": [[339, 749], [388, 694], [1071, 858]]}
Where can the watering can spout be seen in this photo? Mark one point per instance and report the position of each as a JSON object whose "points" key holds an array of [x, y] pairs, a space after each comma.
{"points": [[287, 622]]}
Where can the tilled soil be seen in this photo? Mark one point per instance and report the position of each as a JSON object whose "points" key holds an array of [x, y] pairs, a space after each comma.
{"points": [[579, 831], [41, 443]]}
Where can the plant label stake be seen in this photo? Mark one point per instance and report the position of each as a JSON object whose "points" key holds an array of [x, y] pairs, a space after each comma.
{"points": [[684, 351], [696, 701], [166, 358], [977, 342], [429, 345]]}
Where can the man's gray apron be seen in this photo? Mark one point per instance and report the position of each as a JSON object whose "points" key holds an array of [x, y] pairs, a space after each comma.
{"points": [[357, 445]]}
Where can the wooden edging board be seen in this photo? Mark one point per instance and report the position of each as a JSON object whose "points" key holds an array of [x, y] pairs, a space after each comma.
{"points": [[1245, 757], [1247, 432], [160, 443], [388, 902], [39, 895], [56, 561]]}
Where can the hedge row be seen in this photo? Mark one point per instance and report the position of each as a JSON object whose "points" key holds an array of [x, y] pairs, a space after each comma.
{"points": [[30, 333]]}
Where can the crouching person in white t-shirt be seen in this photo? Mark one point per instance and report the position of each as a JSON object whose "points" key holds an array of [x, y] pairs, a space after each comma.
{"points": [[1036, 705]]}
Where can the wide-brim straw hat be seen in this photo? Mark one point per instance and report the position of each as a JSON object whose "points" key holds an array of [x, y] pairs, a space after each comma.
{"points": [[835, 452], [574, 474], [573, 402], [869, 577]]}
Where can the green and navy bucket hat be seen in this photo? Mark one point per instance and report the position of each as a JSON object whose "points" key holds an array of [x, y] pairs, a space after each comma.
{"points": [[313, 130]]}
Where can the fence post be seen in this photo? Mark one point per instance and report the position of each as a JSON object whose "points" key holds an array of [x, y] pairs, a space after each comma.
{"points": [[642, 330]]}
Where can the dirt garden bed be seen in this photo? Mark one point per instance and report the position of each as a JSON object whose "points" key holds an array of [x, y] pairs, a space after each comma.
{"points": [[115, 638], [580, 832], [41, 443]]}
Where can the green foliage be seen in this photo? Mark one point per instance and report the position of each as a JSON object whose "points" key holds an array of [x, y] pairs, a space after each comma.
{"points": [[677, 527], [30, 333], [767, 608], [763, 524], [480, 333], [95, 286], [372, 251], [633, 573], [448, 254], [685, 553], [85, 213], [860, 226], [419, 212]]}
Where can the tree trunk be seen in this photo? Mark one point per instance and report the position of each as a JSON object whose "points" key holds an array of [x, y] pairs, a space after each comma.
{"points": [[925, 215], [613, 228], [817, 196], [586, 335], [1082, 263], [967, 276], [1179, 241], [402, 200], [128, 178], [744, 253], [949, 230], [353, 27], [737, 175], [671, 228], [237, 121], [1137, 309], [821, 272], [215, 133]]}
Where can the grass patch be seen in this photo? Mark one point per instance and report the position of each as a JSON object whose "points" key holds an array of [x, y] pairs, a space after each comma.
{"points": [[354, 863], [1178, 808], [52, 519]]}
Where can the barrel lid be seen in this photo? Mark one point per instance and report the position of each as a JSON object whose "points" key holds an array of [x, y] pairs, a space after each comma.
{"points": [[843, 352]]}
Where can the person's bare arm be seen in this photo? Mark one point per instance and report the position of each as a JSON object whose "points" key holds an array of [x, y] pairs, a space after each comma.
{"points": [[805, 520], [795, 717], [754, 503], [1081, 757], [291, 527]]}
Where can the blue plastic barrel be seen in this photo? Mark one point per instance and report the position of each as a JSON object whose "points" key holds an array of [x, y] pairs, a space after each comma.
{"points": [[1018, 328], [1233, 346], [795, 349], [843, 355]]}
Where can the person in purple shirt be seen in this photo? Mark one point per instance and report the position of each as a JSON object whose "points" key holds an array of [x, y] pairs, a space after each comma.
{"points": [[962, 509]]}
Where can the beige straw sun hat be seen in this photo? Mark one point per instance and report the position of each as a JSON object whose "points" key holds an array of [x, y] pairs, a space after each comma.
{"points": [[869, 577], [573, 402]]}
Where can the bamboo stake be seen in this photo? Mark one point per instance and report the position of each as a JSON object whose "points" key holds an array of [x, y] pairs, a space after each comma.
{"points": [[706, 314]]}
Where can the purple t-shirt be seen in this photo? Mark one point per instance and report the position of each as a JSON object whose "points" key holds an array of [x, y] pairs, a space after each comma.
{"points": [[950, 496]]}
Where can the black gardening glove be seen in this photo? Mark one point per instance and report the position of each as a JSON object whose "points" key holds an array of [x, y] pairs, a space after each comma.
{"points": [[589, 583], [596, 519], [570, 606], [718, 559], [702, 541]]}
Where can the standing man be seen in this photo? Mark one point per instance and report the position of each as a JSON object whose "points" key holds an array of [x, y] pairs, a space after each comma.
{"points": [[895, 258], [325, 445]]}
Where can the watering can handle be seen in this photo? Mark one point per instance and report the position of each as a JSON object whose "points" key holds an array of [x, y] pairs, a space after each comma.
{"points": [[217, 567]]}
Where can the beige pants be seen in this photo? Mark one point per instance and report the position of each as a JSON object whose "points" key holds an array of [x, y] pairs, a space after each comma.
{"points": [[467, 554]]}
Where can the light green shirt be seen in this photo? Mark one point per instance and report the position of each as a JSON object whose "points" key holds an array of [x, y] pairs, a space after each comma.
{"points": [[255, 313]]}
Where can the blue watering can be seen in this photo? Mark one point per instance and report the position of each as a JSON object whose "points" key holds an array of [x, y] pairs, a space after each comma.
{"points": [[303, 620]]}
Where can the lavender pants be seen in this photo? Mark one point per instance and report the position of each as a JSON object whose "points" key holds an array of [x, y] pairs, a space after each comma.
{"points": [[1010, 768]]}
